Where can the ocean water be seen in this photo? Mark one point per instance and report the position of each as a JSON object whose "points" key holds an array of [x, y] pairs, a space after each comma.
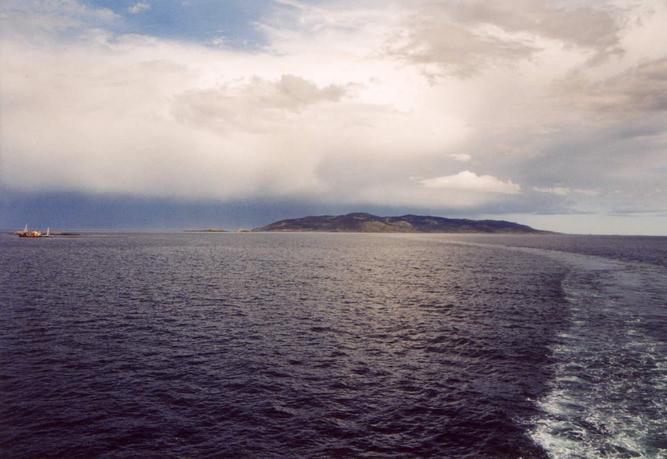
{"points": [[333, 345]]}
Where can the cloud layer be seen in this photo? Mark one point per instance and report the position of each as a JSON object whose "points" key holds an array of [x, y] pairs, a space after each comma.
{"points": [[466, 180], [552, 107]]}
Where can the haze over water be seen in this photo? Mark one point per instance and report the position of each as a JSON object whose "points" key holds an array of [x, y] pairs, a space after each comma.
{"points": [[302, 345]]}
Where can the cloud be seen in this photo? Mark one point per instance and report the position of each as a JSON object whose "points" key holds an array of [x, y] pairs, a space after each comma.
{"points": [[293, 4], [65, 9], [462, 38], [557, 190], [560, 191], [466, 180], [583, 26], [463, 157], [139, 7], [32, 20], [258, 98], [457, 50], [640, 89], [71, 8], [565, 191], [534, 91], [143, 119]]}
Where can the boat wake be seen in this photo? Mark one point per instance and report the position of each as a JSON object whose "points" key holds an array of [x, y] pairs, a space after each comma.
{"points": [[608, 397]]}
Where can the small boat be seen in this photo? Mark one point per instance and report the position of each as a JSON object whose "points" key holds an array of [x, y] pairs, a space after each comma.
{"points": [[28, 233]]}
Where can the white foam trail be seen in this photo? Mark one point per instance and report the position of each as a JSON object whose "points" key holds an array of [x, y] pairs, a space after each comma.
{"points": [[608, 397]]}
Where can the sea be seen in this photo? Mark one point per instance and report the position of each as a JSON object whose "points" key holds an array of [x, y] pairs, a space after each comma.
{"points": [[271, 345]]}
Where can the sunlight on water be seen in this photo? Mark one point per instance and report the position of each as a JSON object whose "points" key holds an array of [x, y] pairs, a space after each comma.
{"points": [[330, 345]]}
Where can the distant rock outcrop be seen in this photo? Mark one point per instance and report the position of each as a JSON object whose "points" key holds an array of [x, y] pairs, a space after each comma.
{"points": [[367, 223]]}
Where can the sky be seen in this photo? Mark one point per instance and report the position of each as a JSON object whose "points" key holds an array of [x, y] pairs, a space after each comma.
{"points": [[233, 113]]}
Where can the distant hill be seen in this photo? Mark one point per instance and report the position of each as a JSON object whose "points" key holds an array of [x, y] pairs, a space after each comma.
{"points": [[367, 223]]}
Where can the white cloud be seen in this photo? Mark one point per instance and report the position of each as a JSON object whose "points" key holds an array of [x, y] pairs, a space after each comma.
{"points": [[565, 191], [30, 19], [139, 7], [466, 180], [557, 190], [93, 111], [463, 157], [157, 118]]}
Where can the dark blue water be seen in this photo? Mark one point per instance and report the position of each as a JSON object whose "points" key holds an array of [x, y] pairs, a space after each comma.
{"points": [[291, 345]]}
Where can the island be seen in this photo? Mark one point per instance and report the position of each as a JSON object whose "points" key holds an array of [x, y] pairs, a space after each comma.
{"points": [[360, 222]]}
